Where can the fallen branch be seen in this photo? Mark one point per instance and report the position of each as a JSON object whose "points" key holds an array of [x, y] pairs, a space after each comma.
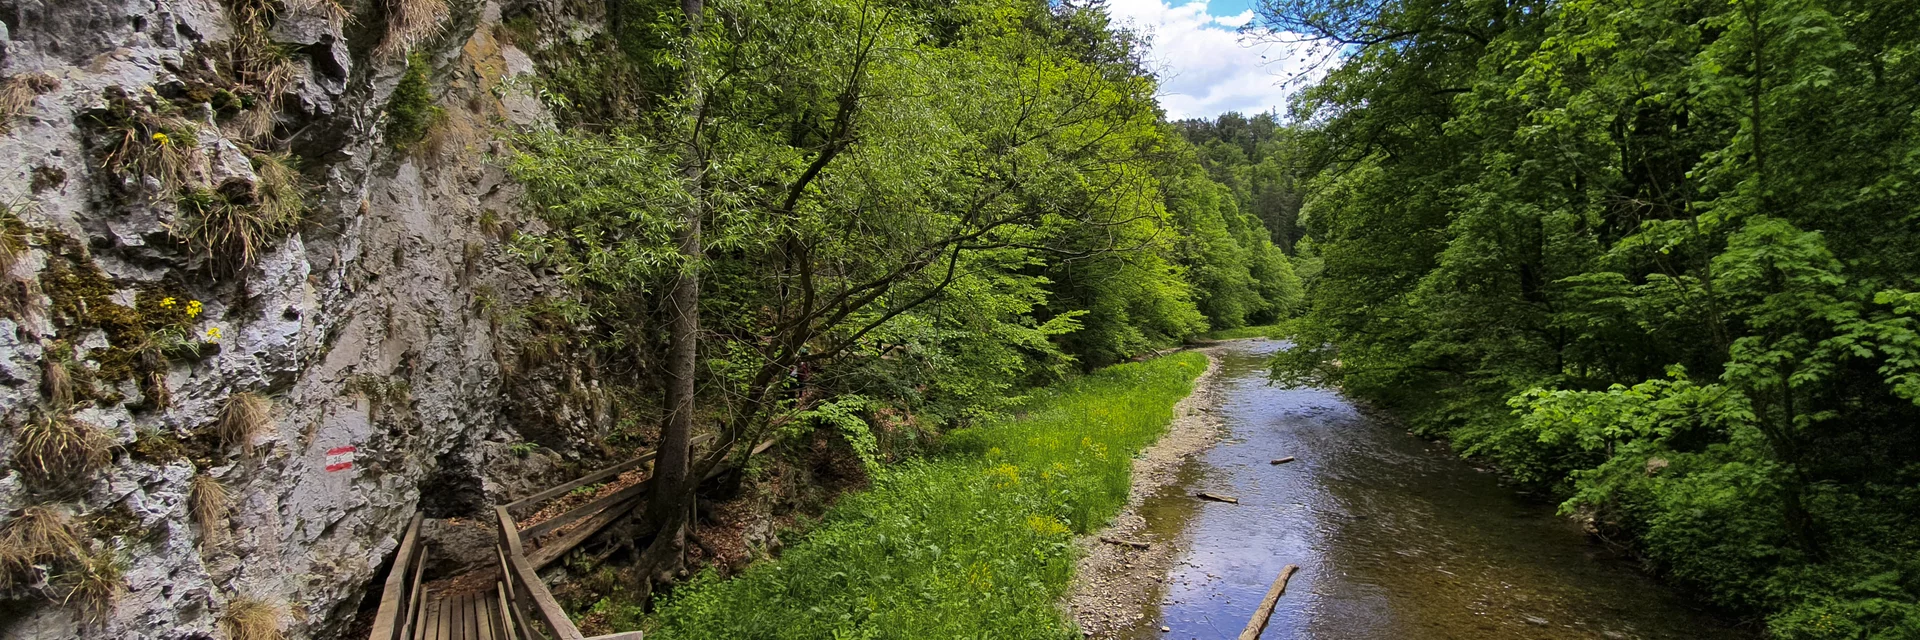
{"points": [[1259, 622], [1127, 543], [1219, 498], [1282, 460]]}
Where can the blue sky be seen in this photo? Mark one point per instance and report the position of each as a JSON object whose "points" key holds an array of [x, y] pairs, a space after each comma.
{"points": [[1205, 67]]}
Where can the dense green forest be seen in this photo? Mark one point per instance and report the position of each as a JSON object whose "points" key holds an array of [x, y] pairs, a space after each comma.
{"points": [[1657, 257], [1654, 258], [792, 216]]}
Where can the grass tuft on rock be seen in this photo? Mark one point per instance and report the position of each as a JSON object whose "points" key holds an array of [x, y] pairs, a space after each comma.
{"points": [[410, 22], [39, 535], [250, 619], [17, 94], [245, 417], [54, 446], [977, 543], [207, 503], [94, 585]]}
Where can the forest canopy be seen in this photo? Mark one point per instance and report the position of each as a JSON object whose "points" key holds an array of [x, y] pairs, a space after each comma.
{"points": [[1656, 257]]}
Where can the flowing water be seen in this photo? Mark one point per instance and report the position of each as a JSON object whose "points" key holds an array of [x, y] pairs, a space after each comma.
{"points": [[1396, 538]]}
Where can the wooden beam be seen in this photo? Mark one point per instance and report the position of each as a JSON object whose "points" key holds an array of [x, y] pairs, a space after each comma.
{"points": [[417, 597], [516, 596], [520, 506], [1258, 624], [505, 619], [550, 611], [554, 549], [534, 532], [389, 620]]}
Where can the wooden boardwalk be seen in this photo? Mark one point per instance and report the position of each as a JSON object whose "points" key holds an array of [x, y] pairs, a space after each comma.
{"points": [[468, 616], [519, 607]]}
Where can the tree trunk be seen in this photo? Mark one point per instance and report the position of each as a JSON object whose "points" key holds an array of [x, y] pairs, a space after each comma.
{"points": [[672, 480]]}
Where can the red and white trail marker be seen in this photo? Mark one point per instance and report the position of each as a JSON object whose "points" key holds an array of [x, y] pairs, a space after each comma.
{"points": [[339, 459]]}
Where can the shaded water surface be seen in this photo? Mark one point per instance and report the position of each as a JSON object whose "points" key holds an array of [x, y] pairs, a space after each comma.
{"points": [[1396, 538]]}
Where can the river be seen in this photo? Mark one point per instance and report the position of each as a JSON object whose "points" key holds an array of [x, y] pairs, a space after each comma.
{"points": [[1396, 538]]}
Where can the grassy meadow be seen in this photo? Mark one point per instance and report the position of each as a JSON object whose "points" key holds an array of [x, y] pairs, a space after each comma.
{"points": [[975, 543]]}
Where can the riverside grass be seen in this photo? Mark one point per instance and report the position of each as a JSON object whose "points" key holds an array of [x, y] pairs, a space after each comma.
{"points": [[975, 543]]}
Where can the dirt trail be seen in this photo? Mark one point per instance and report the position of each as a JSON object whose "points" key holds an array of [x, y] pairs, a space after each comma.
{"points": [[1115, 583]]}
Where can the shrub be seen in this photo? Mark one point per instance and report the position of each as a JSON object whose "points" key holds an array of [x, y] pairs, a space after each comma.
{"points": [[411, 110]]}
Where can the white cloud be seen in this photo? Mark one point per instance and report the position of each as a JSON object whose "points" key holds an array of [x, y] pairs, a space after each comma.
{"points": [[1205, 67]]}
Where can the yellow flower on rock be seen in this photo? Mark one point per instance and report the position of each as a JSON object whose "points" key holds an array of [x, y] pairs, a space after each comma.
{"points": [[166, 303], [213, 334], [161, 138], [193, 307]]}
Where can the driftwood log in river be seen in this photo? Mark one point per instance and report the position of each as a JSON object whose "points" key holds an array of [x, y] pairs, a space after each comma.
{"points": [[1259, 622]]}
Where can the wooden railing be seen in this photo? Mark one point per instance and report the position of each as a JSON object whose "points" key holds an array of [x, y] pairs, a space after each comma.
{"points": [[523, 590], [521, 607], [401, 599]]}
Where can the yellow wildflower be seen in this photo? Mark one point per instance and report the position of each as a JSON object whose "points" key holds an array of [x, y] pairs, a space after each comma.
{"points": [[1045, 526], [161, 138], [193, 308], [166, 303], [1004, 475], [213, 334]]}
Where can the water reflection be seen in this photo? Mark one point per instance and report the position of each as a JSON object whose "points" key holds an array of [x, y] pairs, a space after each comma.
{"points": [[1395, 538]]}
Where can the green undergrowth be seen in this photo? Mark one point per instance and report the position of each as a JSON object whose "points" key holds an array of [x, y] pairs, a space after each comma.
{"points": [[1275, 331], [975, 543]]}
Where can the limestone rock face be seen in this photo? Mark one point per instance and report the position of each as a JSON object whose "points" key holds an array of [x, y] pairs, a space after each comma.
{"points": [[366, 323]]}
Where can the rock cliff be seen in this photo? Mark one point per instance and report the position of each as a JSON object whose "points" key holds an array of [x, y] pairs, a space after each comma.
{"points": [[253, 265]]}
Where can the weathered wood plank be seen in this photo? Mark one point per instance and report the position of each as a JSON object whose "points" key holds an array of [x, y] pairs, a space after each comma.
{"points": [[516, 596], [519, 507], [534, 532], [416, 597], [558, 547], [549, 609], [483, 603], [624, 635], [505, 619], [387, 622], [421, 620]]}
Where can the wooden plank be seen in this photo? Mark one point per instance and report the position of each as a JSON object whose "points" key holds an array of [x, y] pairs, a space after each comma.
{"points": [[556, 548], [443, 630], [476, 617], [463, 618], [516, 596], [543, 602], [1258, 624], [625, 635], [534, 532], [388, 621], [505, 619], [489, 616], [520, 506], [420, 620], [431, 630], [416, 598]]}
